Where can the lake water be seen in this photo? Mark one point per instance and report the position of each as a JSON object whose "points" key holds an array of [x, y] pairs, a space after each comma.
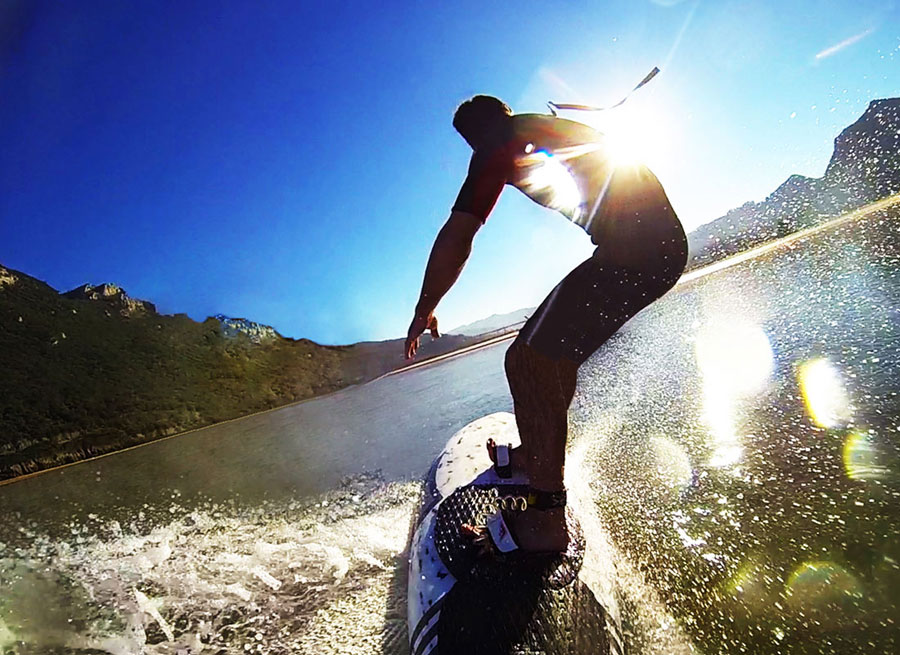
{"points": [[736, 445]]}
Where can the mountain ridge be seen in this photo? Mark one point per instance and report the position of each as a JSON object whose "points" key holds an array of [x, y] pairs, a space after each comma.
{"points": [[92, 370], [494, 322], [864, 167]]}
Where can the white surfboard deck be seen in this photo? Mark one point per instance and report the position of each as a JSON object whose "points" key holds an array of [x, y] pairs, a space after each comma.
{"points": [[465, 457], [463, 460]]}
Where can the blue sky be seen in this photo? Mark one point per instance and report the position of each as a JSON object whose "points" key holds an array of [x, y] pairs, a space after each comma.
{"points": [[291, 163]]}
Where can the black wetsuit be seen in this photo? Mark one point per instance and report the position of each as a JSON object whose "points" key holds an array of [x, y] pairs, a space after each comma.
{"points": [[641, 246]]}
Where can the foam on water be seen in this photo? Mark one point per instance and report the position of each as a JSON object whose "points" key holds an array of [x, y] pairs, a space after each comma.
{"points": [[320, 576], [323, 575]]}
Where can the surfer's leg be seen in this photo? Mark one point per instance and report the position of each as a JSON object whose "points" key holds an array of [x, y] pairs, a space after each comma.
{"points": [[542, 389], [542, 374], [542, 367], [578, 316]]}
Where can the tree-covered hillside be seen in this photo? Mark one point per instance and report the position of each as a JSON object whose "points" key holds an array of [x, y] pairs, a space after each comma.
{"points": [[93, 371]]}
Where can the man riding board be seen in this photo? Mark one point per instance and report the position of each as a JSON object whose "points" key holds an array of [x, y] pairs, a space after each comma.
{"points": [[641, 252]]}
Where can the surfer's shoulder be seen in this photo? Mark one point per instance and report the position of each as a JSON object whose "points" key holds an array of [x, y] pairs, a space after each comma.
{"points": [[538, 127]]}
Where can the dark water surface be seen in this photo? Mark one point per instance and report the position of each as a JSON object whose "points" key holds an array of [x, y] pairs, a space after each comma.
{"points": [[396, 425], [738, 439], [744, 447]]}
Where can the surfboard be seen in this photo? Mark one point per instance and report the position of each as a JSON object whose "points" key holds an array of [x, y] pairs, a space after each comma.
{"points": [[460, 601]]}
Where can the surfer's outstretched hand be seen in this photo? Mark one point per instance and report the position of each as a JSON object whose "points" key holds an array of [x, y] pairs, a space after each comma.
{"points": [[416, 328]]}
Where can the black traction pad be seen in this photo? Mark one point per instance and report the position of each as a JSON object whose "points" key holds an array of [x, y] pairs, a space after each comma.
{"points": [[521, 618], [471, 566]]}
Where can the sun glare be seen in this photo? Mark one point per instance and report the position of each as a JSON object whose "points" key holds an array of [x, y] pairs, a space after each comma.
{"points": [[634, 138], [548, 175], [634, 134], [736, 362], [824, 394]]}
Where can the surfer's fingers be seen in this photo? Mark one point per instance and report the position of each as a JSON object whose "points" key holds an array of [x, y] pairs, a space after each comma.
{"points": [[431, 324]]}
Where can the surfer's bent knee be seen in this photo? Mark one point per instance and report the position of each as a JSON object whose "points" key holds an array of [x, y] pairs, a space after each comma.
{"points": [[513, 356]]}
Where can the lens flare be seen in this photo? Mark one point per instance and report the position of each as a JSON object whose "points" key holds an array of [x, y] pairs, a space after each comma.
{"points": [[549, 178], [754, 583], [736, 355], [824, 394], [863, 460], [736, 361], [820, 585]]}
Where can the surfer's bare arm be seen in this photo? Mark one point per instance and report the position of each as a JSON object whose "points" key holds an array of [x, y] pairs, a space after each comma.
{"points": [[448, 256]]}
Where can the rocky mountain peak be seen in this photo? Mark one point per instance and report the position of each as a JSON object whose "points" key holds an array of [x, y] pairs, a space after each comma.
{"points": [[257, 332], [115, 296], [864, 167], [7, 277], [866, 160], [881, 116]]}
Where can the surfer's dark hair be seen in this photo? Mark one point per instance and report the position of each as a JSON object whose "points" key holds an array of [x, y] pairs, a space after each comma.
{"points": [[475, 114]]}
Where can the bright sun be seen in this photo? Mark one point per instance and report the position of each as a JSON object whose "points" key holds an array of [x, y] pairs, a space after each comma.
{"points": [[635, 134]]}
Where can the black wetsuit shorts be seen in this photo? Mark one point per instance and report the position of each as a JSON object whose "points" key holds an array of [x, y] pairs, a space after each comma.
{"points": [[593, 302]]}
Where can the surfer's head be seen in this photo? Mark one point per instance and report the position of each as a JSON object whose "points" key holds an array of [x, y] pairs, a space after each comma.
{"points": [[479, 117]]}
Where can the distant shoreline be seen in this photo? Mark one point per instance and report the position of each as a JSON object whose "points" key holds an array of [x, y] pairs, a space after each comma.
{"points": [[425, 362], [453, 353]]}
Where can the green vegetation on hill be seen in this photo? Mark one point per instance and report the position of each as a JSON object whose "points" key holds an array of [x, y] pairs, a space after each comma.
{"points": [[87, 376]]}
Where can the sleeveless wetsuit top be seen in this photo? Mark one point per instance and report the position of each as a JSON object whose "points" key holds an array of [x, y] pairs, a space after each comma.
{"points": [[565, 166]]}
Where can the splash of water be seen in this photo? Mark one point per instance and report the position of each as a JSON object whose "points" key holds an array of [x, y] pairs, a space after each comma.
{"points": [[319, 576]]}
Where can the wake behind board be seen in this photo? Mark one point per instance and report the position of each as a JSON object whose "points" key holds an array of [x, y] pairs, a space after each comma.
{"points": [[460, 602]]}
